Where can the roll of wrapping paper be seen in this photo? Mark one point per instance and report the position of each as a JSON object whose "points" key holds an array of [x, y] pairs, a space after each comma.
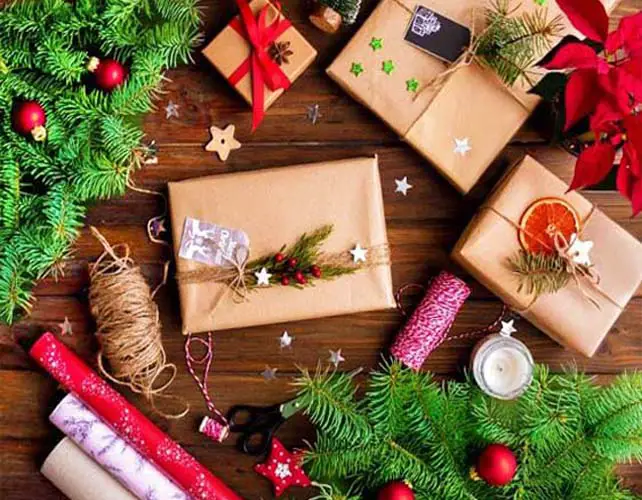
{"points": [[74, 473], [130, 424], [115, 455]]}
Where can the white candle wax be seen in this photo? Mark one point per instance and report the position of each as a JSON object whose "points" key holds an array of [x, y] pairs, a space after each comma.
{"points": [[506, 370]]}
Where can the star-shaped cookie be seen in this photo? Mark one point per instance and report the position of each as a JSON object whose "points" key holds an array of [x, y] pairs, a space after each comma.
{"points": [[222, 142], [282, 468]]}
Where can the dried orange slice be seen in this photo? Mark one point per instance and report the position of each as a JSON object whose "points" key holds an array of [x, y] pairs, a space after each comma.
{"points": [[542, 220]]}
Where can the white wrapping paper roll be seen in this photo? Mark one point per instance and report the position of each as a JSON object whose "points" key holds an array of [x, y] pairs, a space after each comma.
{"points": [[74, 473]]}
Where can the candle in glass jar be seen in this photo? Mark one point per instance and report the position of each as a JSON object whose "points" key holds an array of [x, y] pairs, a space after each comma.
{"points": [[502, 366]]}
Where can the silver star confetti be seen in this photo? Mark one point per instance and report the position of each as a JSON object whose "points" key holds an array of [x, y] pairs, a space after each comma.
{"points": [[403, 186], [286, 340], [263, 277], [358, 253], [336, 358], [66, 330], [508, 328], [462, 146], [158, 227], [171, 110], [269, 373], [314, 114]]}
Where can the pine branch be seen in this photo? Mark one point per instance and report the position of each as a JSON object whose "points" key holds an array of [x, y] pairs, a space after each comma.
{"points": [[539, 274]]}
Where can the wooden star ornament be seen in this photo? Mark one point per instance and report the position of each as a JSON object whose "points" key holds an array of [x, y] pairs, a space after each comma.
{"points": [[222, 142], [282, 468]]}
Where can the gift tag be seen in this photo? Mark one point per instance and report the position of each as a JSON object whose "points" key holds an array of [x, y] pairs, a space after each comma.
{"points": [[437, 35], [212, 244]]}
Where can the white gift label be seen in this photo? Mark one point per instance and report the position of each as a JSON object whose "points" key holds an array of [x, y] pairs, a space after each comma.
{"points": [[212, 244]]}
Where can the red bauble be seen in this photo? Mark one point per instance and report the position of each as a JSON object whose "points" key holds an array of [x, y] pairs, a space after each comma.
{"points": [[29, 118], [110, 74], [396, 490], [497, 465]]}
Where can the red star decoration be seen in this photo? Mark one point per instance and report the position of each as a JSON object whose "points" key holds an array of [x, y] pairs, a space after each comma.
{"points": [[282, 468]]}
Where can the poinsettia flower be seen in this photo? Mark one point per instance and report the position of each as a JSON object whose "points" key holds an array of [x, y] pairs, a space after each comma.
{"points": [[628, 36], [588, 16], [593, 164]]}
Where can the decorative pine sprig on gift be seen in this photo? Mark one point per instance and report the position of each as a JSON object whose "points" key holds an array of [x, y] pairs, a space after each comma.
{"points": [[539, 273], [304, 262], [512, 42]]}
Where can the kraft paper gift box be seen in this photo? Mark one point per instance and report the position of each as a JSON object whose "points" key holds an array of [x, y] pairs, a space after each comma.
{"points": [[568, 316], [470, 103], [274, 207], [230, 53]]}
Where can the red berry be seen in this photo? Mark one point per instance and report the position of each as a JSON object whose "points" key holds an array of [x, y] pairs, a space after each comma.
{"points": [[279, 257], [285, 281], [300, 278], [29, 117], [316, 271], [292, 262], [110, 74]]}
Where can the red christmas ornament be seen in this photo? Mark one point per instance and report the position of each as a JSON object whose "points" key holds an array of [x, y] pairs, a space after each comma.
{"points": [[300, 278], [285, 281], [396, 490], [279, 257], [315, 271], [108, 73], [496, 465], [29, 118], [282, 468]]}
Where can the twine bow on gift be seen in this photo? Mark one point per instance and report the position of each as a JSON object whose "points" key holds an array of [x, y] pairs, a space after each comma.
{"points": [[263, 70]]}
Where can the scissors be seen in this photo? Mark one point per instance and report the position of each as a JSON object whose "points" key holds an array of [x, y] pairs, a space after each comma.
{"points": [[257, 424]]}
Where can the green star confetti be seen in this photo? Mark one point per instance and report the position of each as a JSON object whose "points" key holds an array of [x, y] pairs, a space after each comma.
{"points": [[388, 66], [356, 69], [376, 43], [412, 85]]}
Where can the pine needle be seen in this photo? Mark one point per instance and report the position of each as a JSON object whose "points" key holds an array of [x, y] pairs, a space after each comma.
{"points": [[539, 274]]}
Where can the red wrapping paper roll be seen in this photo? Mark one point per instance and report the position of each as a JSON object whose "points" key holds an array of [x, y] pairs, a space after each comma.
{"points": [[76, 377]]}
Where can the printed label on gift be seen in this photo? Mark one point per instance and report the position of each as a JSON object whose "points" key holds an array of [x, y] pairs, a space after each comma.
{"points": [[213, 245], [437, 35]]}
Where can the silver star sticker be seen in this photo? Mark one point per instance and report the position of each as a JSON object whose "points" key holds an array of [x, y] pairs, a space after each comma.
{"points": [[508, 328], [286, 340], [462, 146], [171, 110], [403, 186], [336, 358], [579, 251], [314, 114], [66, 330], [269, 373], [263, 277], [358, 253]]}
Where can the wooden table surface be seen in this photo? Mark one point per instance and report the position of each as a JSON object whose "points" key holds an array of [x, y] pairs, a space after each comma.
{"points": [[422, 229]]}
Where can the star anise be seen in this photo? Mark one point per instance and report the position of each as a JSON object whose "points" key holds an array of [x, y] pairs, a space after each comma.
{"points": [[280, 52]]}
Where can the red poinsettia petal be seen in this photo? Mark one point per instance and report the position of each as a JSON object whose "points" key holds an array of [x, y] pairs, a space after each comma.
{"points": [[633, 146], [629, 76], [627, 36], [573, 55], [616, 86], [636, 196], [593, 164], [605, 114], [588, 16], [581, 96]]}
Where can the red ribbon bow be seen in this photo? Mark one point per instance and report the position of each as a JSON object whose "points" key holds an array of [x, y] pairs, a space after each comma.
{"points": [[264, 71]]}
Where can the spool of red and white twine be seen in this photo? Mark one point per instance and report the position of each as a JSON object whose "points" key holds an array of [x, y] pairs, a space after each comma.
{"points": [[429, 325]]}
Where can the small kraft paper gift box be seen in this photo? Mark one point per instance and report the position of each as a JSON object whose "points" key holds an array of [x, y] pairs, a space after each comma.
{"points": [[552, 256], [261, 54], [406, 64], [281, 244]]}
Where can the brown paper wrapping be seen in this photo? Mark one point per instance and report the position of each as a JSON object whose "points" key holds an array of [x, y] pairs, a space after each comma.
{"points": [[229, 49], [473, 103], [275, 207], [567, 316], [74, 473]]}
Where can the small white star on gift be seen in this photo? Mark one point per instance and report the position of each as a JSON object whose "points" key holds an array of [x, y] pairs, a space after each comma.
{"points": [[282, 471], [403, 186], [359, 253], [336, 358], [462, 146], [508, 328], [171, 110], [579, 251], [263, 277], [286, 340]]}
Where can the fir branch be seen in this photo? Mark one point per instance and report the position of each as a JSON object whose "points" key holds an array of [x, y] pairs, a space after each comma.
{"points": [[540, 273]]}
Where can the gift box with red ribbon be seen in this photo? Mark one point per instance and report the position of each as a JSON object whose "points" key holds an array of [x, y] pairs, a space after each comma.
{"points": [[261, 54]]}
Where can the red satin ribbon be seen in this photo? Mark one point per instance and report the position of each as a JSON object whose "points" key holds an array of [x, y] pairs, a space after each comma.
{"points": [[264, 71]]}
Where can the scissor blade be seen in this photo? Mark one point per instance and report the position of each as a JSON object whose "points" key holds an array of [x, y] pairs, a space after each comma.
{"points": [[289, 408]]}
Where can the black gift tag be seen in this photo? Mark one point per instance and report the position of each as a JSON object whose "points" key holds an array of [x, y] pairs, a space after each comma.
{"points": [[436, 34]]}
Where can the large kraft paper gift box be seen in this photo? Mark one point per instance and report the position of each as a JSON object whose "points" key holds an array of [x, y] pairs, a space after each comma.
{"points": [[230, 52], [579, 318], [471, 103], [274, 207]]}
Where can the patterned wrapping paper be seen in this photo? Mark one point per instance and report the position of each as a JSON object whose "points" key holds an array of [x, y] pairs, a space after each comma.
{"points": [[117, 457], [76, 377]]}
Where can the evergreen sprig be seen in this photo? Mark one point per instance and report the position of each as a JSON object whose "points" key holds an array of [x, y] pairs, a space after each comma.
{"points": [[539, 273], [513, 42], [93, 136], [567, 433]]}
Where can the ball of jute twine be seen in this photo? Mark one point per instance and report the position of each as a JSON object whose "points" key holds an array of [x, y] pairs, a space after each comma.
{"points": [[128, 325]]}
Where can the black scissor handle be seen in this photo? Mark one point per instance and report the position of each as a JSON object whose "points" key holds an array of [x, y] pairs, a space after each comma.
{"points": [[256, 442], [246, 418]]}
